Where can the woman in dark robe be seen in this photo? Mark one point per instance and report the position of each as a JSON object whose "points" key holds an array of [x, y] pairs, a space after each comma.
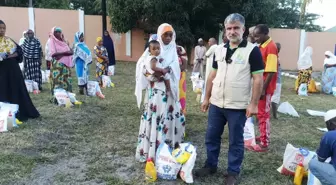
{"points": [[12, 86], [108, 44]]}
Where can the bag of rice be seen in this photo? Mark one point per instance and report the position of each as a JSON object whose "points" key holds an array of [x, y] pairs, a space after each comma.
{"points": [[62, 97], [3, 120], [106, 81], [13, 109], [292, 157], [166, 166], [92, 87], [29, 85], [110, 71], [303, 90]]}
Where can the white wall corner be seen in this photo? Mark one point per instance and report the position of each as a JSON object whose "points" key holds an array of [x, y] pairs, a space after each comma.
{"points": [[129, 43], [31, 17], [302, 41], [81, 20]]}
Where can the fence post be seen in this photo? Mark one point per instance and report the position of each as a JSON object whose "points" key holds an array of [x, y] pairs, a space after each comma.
{"points": [[129, 43], [302, 42], [31, 17], [81, 20]]}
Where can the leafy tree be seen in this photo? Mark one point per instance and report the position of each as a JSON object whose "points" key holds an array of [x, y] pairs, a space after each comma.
{"points": [[304, 4], [203, 18]]}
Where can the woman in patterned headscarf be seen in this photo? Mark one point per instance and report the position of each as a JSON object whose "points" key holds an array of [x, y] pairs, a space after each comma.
{"points": [[32, 61], [102, 60], [82, 58], [13, 88]]}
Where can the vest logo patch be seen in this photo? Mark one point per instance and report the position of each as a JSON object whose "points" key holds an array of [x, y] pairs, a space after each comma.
{"points": [[239, 59]]}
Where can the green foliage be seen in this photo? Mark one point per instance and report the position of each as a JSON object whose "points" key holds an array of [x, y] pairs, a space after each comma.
{"points": [[191, 19], [203, 18]]}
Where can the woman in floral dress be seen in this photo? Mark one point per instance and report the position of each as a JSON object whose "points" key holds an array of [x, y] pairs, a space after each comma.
{"points": [[162, 119]]}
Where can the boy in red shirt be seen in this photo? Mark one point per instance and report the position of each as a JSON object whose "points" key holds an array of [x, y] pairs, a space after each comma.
{"points": [[269, 53]]}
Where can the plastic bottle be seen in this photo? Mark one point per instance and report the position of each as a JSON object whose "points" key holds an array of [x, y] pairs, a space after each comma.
{"points": [[299, 173], [150, 171]]}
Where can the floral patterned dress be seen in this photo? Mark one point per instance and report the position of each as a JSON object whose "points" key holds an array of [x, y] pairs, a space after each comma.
{"points": [[162, 121]]}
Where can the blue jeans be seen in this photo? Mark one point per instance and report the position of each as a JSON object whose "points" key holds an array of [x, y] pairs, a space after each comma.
{"points": [[325, 172], [218, 117]]}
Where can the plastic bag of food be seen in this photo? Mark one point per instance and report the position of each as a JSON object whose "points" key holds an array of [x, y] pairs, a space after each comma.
{"points": [[92, 88], [62, 97], [106, 81], [249, 133], [186, 171], [3, 120], [47, 75], [29, 85], [303, 90], [44, 77], [13, 109], [166, 166], [110, 71], [292, 157]]}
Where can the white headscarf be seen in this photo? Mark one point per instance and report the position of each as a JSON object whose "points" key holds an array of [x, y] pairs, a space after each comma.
{"points": [[305, 60], [23, 38], [331, 60], [141, 82], [169, 54]]}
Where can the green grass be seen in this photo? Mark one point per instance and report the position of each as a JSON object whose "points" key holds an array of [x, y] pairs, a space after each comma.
{"points": [[95, 143]]}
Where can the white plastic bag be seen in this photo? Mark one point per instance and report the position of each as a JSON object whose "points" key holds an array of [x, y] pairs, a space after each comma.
{"points": [[29, 85], [62, 97], [186, 171], [249, 133], [3, 120], [287, 108], [44, 77], [334, 91], [303, 90], [312, 180], [166, 166], [110, 71], [72, 97], [93, 88], [292, 157], [316, 113], [106, 81], [36, 89], [13, 109], [47, 75]]}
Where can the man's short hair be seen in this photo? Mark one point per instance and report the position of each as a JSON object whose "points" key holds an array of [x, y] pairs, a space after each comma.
{"points": [[262, 28]]}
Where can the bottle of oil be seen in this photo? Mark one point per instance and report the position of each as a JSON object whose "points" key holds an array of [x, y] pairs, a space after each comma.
{"points": [[150, 171], [299, 173]]}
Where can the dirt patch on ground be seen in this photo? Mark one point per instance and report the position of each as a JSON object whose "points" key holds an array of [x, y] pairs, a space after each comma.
{"points": [[66, 171]]}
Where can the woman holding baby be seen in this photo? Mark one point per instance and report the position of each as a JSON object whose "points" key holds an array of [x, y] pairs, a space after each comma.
{"points": [[162, 119]]}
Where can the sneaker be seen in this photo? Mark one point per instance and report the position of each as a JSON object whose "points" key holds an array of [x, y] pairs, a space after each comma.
{"points": [[231, 180], [205, 171]]}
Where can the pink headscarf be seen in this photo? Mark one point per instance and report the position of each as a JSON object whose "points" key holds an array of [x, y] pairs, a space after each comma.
{"points": [[57, 46]]}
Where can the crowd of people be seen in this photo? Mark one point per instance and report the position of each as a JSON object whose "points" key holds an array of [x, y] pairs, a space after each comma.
{"points": [[60, 58], [243, 79]]}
